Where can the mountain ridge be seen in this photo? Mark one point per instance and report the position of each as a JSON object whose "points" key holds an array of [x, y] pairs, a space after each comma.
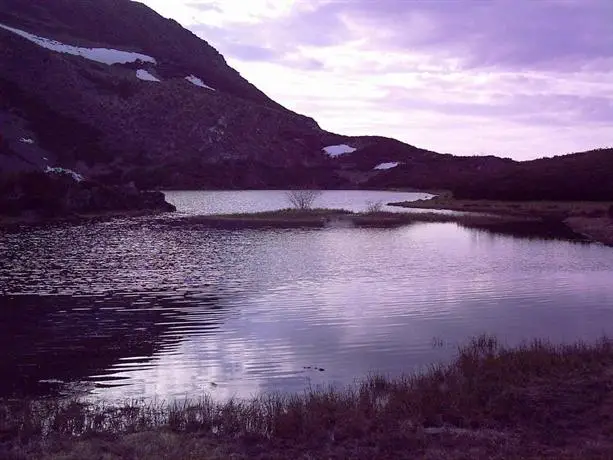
{"points": [[168, 131]]}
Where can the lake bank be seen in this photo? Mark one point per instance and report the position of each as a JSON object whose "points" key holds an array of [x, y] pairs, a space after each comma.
{"points": [[29, 219], [63, 196], [589, 219], [532, 401], [519, 226], [322, 218]]}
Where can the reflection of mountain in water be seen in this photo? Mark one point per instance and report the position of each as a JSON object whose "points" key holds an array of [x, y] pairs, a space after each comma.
{"points": [[50, 340]]}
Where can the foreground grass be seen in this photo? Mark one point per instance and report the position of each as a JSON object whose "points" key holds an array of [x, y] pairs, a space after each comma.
{"points": [[533, 401]]}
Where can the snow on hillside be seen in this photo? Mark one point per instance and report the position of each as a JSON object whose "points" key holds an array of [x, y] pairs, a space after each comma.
{"points": [[103, 55], [142, 74], [198, 82], [389, 165], [336, 150], [75, 176]]}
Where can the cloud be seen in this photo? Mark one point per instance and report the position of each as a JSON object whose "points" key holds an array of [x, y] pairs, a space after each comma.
{"points": [[504, 33], [552, 109], [510, 34], [251, 52]]}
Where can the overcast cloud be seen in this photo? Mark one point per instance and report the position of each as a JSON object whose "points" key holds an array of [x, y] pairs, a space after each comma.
{"points": [[517, 78]]}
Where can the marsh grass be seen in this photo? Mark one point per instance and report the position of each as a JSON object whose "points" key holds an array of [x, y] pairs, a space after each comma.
{"points": [[287, 213], [538, 209], [488, 397], [291, 218]]}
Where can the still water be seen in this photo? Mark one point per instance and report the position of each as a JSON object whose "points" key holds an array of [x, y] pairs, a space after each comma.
{"points": [[133, 308]]}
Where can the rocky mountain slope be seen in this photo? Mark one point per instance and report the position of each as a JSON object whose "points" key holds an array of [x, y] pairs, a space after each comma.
{"points": [[113, 90], [119, 94]]}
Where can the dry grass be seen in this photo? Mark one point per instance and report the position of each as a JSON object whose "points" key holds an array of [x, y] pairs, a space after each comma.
{"points": [[292, 218], [597, 229], [287, 213], [541, 209], [533, 401]]}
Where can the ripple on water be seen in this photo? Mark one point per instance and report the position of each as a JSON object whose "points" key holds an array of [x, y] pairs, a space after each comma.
{"points": [[136, 308]]}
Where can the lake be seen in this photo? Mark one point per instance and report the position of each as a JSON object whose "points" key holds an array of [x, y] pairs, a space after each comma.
{"points": [[134, 308]]}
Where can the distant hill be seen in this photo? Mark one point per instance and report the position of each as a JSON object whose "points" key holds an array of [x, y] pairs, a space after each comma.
{"points": [[577, 176]]}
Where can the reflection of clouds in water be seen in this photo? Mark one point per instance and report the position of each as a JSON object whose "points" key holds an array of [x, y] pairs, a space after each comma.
{"points": [[267, 346], [320, 307], [221, 365]]}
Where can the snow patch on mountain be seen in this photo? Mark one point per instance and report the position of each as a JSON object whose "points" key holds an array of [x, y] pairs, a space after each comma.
{"points": [[57, 170], [103, 55], [142, 74], [389, 165], [26, 140], [336, 150], [198, 82]]}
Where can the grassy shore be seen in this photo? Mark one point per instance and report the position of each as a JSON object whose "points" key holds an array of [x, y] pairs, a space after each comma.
{"points": [[291, 218], [590, 219], [532, 401], [33, 219]]}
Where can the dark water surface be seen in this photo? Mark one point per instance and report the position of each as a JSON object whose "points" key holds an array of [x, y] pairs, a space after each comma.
{"points": [[135, 308]]}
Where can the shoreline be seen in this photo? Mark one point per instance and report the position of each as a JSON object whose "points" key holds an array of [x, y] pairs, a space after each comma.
{"points": [[513, 225], [585, 220], [34, 220], [534, 400], [588, 219], [331, 218]]}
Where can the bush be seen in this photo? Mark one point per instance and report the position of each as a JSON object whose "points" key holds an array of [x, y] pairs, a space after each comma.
{"points": [[302, 199], [374, 206]]}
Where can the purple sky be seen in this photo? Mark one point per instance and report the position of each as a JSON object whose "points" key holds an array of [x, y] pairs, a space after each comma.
{"points": [[515, 78]]}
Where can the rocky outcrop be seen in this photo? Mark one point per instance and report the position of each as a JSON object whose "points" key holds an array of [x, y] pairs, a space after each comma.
{"points": [[52, 195]]}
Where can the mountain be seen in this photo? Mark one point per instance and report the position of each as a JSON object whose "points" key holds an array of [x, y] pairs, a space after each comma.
{"points": [[79, 84], [116, 93]]}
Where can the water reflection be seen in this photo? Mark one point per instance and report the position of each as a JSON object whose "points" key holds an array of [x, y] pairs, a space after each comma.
{"points": [[136, 308], [537, 230], [50, 343]]}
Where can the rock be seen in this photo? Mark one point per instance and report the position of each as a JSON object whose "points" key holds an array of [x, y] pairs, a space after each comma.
{"points": [[59, 195]]}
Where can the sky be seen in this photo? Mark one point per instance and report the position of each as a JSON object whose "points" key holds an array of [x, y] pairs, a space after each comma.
{"points": [[513, 78]]}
